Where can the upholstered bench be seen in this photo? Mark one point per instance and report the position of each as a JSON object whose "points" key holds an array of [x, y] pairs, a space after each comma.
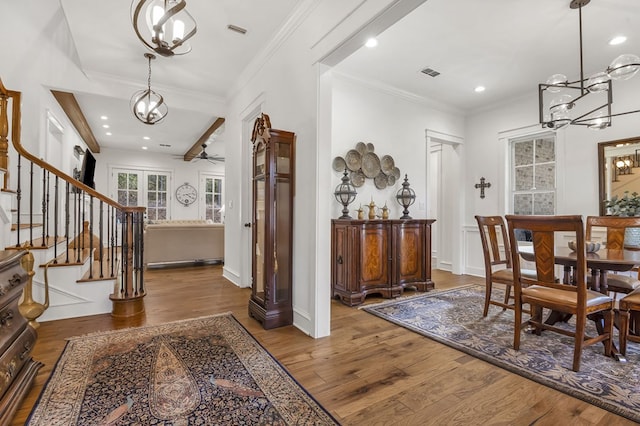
{"points": [[183, 241]]}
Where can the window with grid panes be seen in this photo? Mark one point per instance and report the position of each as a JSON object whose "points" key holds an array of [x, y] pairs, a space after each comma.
{"points": [[533, 175]]}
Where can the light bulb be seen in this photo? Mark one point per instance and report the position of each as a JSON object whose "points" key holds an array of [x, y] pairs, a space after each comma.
{"points": [[598, 82], [178, 30], [557, 79], [560, 103], [624, 67], [599, 121]]}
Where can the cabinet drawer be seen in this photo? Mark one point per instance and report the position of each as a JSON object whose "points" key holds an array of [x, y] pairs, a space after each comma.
{"points": [[11, 323], [11, 281], [15, 357]]}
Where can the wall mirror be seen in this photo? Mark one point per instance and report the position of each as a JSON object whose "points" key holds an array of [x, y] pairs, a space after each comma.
{"points": [[619, 168]]}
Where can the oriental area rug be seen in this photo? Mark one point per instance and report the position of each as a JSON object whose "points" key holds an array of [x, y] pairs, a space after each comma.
{"points": [[454, 317], [206, 371]]}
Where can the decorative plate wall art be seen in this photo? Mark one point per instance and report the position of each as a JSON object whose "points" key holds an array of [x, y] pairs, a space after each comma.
{"points": [[363, 163]]}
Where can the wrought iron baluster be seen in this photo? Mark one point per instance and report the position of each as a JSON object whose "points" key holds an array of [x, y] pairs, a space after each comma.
{"points": [[44, 207], [31, 206], [18, 200], [100, 224], [90, 237], [67, 219]]}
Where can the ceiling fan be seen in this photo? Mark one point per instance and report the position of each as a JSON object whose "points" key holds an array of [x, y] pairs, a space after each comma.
{"points": [[210, 158]]}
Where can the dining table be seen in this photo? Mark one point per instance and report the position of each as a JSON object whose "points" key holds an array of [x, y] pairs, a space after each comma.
{"points": [[601, 263]]}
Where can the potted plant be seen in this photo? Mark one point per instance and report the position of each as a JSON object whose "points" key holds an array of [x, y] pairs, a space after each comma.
{"points": [[627, 205]]}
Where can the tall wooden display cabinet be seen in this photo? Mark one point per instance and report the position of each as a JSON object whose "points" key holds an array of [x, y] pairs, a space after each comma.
{"points": [[272, 224]]}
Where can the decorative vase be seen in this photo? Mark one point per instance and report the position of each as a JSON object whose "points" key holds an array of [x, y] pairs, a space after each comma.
{"points": [[632, 238]]}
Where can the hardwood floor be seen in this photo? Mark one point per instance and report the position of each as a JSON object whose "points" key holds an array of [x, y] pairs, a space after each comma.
{"points": [[368, 372]]}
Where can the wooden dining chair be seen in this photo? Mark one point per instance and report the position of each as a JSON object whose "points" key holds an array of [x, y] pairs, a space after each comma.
{"points": [[615, 227], [497, 260], [629, 315], [545, 292]]}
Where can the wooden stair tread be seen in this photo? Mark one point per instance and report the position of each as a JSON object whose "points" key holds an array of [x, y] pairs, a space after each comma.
{"points": [[95, 268], [38, 243], [61, 260], [25, 226]]}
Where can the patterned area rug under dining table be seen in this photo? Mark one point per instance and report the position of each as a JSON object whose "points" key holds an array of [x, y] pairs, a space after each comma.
{"points": [[454, 317], [203, 371]]}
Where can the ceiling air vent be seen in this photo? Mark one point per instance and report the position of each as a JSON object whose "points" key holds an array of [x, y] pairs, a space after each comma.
{"points": [[236, 29], [430, 71], [165, 145]]}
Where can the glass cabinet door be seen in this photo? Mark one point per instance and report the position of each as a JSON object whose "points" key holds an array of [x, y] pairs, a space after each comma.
{"points": [[260, 230]]}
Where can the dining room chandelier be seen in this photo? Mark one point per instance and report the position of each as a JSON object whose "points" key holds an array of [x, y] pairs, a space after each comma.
{"points": [[163, 26], [559, 107], [148, 106]]}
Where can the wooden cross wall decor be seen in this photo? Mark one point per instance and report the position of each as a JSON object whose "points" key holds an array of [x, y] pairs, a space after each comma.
{"points": [[482, 185]]}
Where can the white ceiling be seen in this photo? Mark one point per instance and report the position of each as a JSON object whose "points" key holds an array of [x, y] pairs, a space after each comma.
{"points": [[109, 52], [508, 46]]}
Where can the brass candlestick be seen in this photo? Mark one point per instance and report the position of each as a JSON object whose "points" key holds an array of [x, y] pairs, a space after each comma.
{"points": [[29, 308]]}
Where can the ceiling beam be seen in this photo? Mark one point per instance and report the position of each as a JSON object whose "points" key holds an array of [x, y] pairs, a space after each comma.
{"points": [[197, 146], [71, 107]]}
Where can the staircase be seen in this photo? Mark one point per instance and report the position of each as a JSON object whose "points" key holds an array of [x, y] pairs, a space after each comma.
{"points": [[87, 246]]}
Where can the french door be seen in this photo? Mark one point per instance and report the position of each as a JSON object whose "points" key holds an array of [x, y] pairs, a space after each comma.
{"points": [[148, 188]]}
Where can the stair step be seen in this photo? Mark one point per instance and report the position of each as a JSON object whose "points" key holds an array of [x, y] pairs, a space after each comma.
{"points": [[39, 243], [61, 260], [106, 272], [26, 226]]}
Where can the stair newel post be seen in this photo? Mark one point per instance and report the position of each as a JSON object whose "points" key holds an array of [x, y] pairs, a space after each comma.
{"points": [[125, 261], [66, 218], [139, 252], [31, 206], [4, 132], [90, 237], [45, 200], [18, 200], [100, 225]]}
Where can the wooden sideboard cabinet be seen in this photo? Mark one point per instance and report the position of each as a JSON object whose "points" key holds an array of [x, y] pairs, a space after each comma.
{"points": [[379, 256], [17, 368]]}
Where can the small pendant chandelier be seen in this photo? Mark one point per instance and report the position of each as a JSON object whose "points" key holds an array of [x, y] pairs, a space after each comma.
{"points": [[164, 26], [147, 105]]}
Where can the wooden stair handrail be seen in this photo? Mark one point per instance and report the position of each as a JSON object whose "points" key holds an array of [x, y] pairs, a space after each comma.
{"points": [[15, 140]]}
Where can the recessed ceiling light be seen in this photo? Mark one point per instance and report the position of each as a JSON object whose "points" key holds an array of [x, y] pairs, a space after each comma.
{"points": [[146, 138], [479, 89], [106, 126], [372, 42], [144, 147], [108, 133], [104, 117], [617, 40]]}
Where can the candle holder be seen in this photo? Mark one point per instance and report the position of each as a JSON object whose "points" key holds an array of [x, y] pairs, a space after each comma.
{"points": [[405, 197], [345, 193]]}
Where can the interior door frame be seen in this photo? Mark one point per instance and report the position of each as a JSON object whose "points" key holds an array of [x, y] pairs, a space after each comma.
{"points": [[249, 116], [454, 185]]}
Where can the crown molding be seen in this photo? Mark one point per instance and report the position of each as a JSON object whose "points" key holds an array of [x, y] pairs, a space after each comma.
{"points": [[295, 18]]}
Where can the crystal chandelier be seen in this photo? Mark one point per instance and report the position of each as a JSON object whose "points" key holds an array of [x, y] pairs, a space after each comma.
{"points": [[164, 26], [564, 94], [147, 105]]}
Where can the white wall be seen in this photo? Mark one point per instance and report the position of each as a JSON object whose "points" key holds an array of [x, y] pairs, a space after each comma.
{"points": [[396, 126], [577, 152], [577, 156], [286, 84], [181, 172]]}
